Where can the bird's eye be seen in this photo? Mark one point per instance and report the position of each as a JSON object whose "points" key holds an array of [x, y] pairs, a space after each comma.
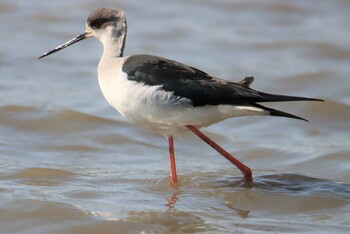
{"points": [[98, 23], [95, 24]]}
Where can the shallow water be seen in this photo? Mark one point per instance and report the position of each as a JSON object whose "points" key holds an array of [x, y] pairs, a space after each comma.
{"points": [[71, 164]]}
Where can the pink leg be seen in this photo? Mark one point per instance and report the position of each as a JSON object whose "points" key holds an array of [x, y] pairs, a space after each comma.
{"points": [[172, 160], [246, 171]]}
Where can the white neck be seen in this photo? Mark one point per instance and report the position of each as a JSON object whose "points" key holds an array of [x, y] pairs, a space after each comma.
{"points": [[113, 39], [113, 42]]}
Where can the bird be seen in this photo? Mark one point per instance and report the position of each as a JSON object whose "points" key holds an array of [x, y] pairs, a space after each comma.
{"points": [[167, 96]]}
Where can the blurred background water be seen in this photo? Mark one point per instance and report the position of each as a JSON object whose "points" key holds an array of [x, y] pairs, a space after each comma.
{"points": [[71, 164]]}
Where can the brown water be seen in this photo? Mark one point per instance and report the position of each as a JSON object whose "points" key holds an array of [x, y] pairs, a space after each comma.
{"points": [[70, 164]]}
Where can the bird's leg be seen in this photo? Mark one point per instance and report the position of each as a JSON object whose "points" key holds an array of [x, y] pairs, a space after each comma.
{"points": [[246, 171], [172, 160]]}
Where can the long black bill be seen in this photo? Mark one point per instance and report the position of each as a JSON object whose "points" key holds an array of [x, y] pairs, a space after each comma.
{"points": [[68, 43]]}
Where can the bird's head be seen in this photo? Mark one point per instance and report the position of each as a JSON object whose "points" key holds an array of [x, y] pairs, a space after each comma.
{"points": [[103, 24]]}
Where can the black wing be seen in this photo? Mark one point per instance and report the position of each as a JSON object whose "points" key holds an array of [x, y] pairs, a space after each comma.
{"points": [[194, 84]]}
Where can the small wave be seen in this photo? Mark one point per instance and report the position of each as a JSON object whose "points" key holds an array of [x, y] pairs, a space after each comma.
{"points": [[297, 184], [39, 172], [35, 119], [36, 176]]}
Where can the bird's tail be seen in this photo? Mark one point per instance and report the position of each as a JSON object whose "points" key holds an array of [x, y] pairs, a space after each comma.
{"points": [[266, 97], [274, 112], [283, 98]]}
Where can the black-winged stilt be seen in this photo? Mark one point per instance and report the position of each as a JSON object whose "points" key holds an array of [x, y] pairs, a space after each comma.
{"points": [[168, 96]]}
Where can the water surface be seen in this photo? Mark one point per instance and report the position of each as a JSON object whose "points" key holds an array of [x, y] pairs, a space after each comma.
{"points": [[71, 164]]}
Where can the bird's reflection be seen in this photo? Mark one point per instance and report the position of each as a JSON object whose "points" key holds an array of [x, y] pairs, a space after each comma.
{"points": [[171, 201]]}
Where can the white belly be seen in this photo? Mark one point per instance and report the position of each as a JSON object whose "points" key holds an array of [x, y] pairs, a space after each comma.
{"points": [[153, 108]]}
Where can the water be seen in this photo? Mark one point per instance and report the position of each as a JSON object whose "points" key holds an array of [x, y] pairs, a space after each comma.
{"points": [[71, 164]]}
